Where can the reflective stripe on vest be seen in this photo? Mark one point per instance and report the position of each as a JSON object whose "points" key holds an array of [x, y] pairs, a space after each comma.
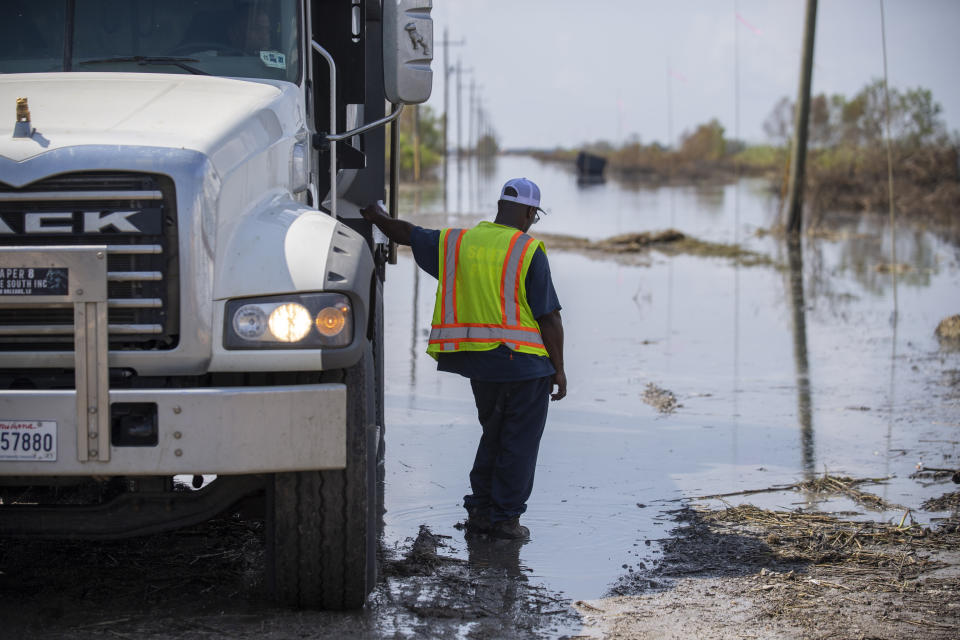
{"points": [[448, 335], [511, 278], [451, 253]]}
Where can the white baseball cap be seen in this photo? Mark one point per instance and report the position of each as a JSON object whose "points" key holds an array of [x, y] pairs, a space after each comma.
{"points": [[523, 191]]}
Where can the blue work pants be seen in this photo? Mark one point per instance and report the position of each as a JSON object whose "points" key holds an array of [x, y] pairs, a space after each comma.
{"points": [[512, 415]]}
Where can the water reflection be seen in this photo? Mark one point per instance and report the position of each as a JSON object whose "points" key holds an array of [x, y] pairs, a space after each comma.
{"points": [[800, 357], [460, 171], [484, 552], [586, 182], [414, 324], [859, 247], [735, 388]]}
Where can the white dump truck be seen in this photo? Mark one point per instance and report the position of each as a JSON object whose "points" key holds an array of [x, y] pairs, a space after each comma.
{"points": [[187, 289]]}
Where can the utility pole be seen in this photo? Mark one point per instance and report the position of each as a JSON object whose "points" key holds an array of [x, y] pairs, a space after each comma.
{"points": [[798, 155], [460, 71], [481, 123], [459, 112], [447, 69], [476, 101], [473, 103], [669, 107]]}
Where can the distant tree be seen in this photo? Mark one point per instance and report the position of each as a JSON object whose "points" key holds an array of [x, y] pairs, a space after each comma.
{"points": [[602, 147], [862, 117], [431, 141], [733, 147], [915, 119], [779, 124], [706, 143], [919, 122], [487, 146]]}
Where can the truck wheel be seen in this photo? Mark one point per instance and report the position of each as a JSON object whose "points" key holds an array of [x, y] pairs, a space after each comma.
{"points": [[322, 525]]}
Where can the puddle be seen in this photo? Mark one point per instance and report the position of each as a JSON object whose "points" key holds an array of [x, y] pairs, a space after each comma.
{"points": [[778, 377]]}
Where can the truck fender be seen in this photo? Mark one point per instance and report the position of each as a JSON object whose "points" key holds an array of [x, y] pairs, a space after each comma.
{"points": [[287, 247]]}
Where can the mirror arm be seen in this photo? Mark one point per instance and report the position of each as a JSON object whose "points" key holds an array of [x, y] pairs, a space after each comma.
{"points": [[329, 140], [397, 110], [333, 125]]}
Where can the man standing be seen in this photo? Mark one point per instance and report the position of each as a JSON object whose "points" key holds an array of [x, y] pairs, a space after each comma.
{"points": [[496, 320]]}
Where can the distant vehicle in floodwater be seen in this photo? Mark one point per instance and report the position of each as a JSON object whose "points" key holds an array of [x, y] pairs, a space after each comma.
{"points": [[590, 167]]}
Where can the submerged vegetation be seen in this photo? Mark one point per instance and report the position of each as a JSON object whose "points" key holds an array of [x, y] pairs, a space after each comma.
{"points": [[847, 155], [669, 241]]}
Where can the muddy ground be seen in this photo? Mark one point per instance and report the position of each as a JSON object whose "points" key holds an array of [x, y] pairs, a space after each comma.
{"points": [[734, 572], [206, 582], [744, 572]]}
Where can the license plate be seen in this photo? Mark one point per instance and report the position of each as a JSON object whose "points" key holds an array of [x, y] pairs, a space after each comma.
{"points": [[30, 281], [34, 440]]}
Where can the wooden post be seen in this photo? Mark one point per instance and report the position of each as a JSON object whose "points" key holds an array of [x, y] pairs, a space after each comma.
{"points": [[798, 156]]}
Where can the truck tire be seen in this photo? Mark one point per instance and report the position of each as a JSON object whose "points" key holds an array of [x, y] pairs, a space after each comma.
{"points": [[378, 341], [322, 525]]}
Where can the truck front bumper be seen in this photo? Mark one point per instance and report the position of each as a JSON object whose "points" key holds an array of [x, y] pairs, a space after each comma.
{"points": [[228, 430]]}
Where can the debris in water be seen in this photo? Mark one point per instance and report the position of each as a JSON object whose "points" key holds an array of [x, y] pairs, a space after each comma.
{"points": [[668, 241], [949, 328], [825, 484], [422, 559], [660, 399], [946, 502], [885, 267], [828, 484]]}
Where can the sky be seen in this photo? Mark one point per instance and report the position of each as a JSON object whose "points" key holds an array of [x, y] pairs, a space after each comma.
{"points": [[564, 72]]}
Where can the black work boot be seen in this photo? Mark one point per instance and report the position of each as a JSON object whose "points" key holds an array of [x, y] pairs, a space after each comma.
{"points": [[509, 530], [478, 520]]}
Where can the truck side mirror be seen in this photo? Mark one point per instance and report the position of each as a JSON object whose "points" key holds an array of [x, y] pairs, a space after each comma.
{"points": [[407, 50]]}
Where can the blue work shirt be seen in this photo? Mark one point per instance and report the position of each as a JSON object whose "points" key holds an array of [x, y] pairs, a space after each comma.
{"points": [[501, 364]]}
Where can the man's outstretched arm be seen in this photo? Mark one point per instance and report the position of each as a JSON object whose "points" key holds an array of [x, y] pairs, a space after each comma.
{"points": [[395, 229], [551, 330]]}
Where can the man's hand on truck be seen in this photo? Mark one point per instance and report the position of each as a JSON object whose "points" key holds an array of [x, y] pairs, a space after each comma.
{"points": [[397, 230]]}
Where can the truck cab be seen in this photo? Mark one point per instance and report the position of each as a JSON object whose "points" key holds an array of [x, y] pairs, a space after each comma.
{"points": [[188, 294]]}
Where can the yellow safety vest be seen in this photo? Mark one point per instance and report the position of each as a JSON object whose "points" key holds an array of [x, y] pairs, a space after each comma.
{"points": [[481, 291]]}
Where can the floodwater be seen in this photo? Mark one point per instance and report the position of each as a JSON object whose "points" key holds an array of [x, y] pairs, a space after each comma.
{"points": [[821, 362]]}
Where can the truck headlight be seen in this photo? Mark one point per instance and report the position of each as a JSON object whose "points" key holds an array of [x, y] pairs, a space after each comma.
{"points": [[304, 321], [289, 322]]}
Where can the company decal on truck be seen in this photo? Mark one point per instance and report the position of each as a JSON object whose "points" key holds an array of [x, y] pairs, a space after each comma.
{"points": [[24, 281], [145, 220]]}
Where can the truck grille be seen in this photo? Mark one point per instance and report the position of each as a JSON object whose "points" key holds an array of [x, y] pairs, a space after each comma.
{"points": [[134, 215]]}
